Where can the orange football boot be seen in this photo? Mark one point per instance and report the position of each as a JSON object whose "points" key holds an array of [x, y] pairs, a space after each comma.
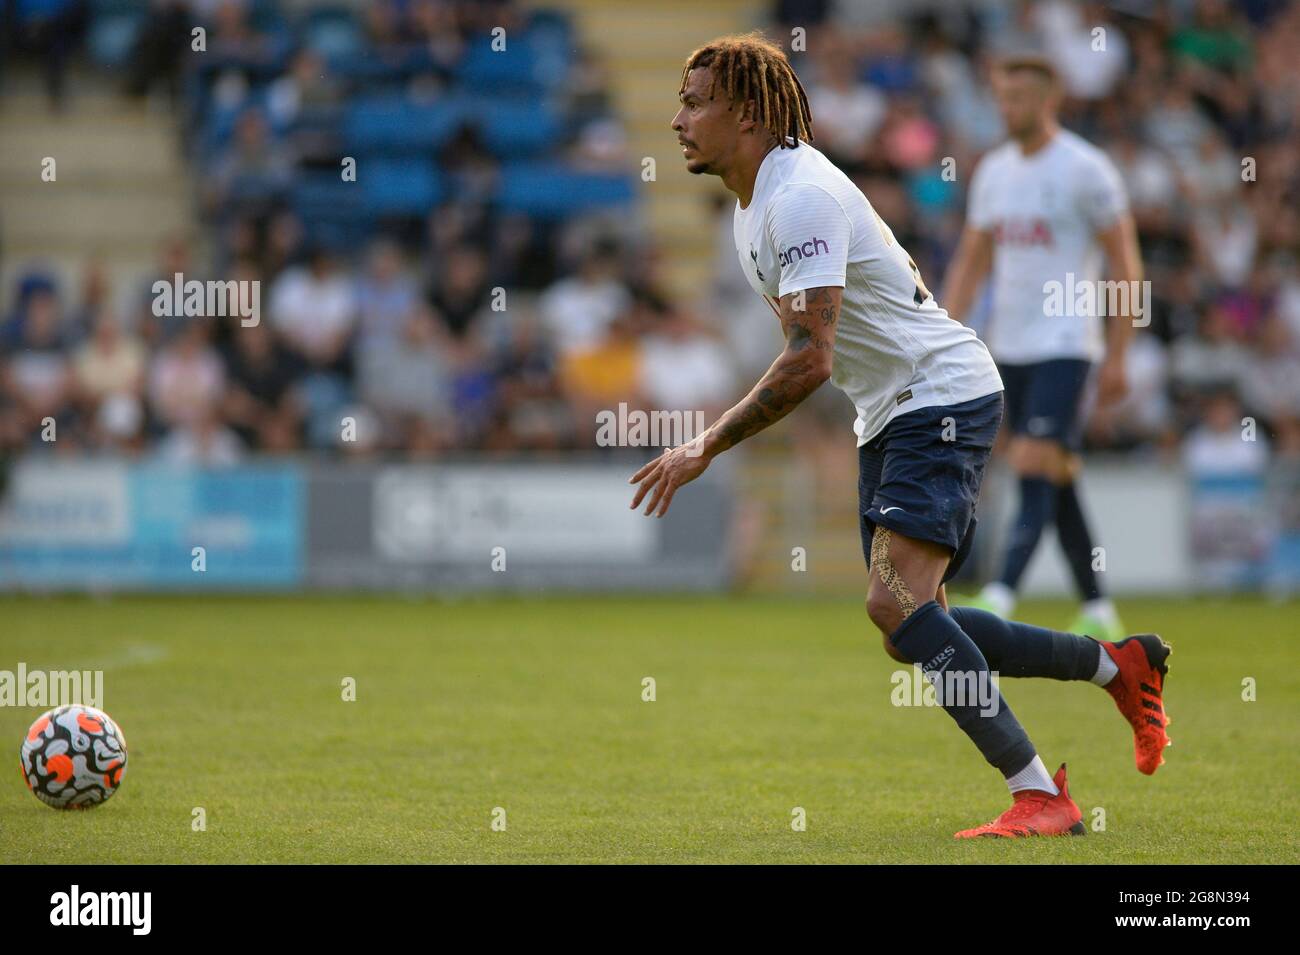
{"points": [[1137, 690], [1034, 813]]}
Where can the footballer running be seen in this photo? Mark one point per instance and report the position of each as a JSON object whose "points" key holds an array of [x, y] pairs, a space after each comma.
{"points": [[854, 310], [1043, 208]]}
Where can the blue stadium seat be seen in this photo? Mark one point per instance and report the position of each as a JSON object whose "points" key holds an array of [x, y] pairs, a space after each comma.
{"points": [[512, 70], [28, 11], [333, 33], [331, 210], [364, 69], [324, 120], [515, 128], [114, 26], [550, 34], [392, 124], [265, 15], [894, 74], [399, 187], [319, 191], [554, 24], [551, 191]]}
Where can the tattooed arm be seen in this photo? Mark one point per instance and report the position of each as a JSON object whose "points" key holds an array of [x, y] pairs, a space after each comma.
{"points": [[798, 371], [808, 319]]}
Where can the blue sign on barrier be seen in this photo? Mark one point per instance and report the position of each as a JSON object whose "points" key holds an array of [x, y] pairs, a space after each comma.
{"points": [[105, 524]]}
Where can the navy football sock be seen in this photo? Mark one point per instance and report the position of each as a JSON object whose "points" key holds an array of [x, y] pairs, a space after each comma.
{"points": [[933, 639], [1019, 649], [1037, 509], [1076, 541]]}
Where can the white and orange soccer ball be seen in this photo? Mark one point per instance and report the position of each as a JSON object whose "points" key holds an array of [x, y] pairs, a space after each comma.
{"points": [[73, 757]]}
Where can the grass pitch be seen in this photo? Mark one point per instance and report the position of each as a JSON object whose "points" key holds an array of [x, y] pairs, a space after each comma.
{"points": [[234, 704]]}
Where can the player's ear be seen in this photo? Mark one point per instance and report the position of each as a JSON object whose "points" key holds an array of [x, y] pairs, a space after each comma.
{"points": [[748, 119]]}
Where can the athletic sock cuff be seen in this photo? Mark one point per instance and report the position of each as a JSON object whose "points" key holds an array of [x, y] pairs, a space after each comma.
{"points": [[912, 629]]}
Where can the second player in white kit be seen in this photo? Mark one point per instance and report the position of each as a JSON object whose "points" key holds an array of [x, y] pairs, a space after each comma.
{"points": [[1046, 210]]}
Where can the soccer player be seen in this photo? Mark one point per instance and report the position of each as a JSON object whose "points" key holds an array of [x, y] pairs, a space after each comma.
{"points": [[854, 310], [1043, 208]]}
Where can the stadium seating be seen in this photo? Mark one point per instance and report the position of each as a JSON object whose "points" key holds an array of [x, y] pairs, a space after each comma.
{"points": [[550, 191], [396, 129]]}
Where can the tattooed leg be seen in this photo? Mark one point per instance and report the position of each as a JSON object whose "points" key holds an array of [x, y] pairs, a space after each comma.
{"points": [[889, 575], [906, 574]]}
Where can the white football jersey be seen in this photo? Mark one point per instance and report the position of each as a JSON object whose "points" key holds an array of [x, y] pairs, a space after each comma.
{"points": [[1045, 211], [896, 350]]}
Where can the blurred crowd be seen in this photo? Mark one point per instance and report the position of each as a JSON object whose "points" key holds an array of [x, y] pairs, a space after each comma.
{"points": [[441, 325], [466, 328], [372, 357], [1197, 102]]}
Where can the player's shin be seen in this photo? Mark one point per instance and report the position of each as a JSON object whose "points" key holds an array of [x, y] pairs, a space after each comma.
{"points": [[952, 663], [1076, 541], [1037, 510], [1020, 649]]}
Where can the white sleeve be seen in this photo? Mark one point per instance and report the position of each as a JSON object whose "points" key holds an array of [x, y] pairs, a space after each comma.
{"points": [[979, 214], [1102, 198], [811, 233]]}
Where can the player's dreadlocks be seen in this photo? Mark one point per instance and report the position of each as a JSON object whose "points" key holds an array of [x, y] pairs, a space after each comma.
{"points": [[750, 66]]}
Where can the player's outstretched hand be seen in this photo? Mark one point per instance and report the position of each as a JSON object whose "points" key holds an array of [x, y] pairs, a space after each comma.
{"points": [[666, 473]]}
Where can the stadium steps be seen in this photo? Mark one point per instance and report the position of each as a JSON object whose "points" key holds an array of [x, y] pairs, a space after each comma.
{"points": [[644, 46], [801, 504], [121, 185]]}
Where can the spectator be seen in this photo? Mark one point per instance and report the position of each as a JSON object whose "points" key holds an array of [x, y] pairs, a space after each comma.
{"points": [[849, 112], [404, 376], [305, 89], [238, 51], [186, 379], [601, 376], [473, 390], [37, 377], [434, 25], [159, 49], [254, 175], [35, 291], [683, 369], [175, 256], [1212, 176], [580, 309], [1144, 417], [386, 295], [1213, 38], [1226, 239], [532, 412], [50, 30], [111, 362], [260, 402], [202, 442], [461, 291], [1212, 359], [1271, 389], [314, 310], [1089, 50], [1222, 444], [1149, 178]]}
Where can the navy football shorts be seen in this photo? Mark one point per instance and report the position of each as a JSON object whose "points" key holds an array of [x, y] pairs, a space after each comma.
{"points": [[1045, 399], [913, 480]]}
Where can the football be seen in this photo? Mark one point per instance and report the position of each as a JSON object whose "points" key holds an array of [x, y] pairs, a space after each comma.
{"points": [[73, 757]]}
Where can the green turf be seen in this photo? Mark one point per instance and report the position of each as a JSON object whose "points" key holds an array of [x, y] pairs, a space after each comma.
{"points": [[234, 705]]}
